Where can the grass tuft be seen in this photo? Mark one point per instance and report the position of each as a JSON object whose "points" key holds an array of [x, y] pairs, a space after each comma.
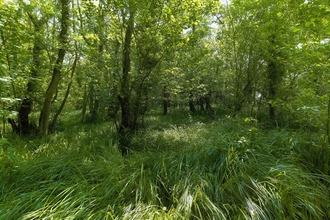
{"points": [[225, 169]]}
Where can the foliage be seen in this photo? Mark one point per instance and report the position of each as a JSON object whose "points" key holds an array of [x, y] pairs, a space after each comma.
{"points": [[245, 129], [8, 160]]}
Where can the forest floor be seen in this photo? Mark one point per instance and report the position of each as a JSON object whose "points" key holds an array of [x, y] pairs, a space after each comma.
{"points": [[180, 167]]}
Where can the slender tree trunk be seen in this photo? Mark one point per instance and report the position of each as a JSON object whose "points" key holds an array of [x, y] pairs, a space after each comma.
{"points": [[275, 74], [166, 101], [126, 126], [52, 124], [24, 126], [191, 103], [84, 107], [201, 103], [51, 90], [272, 90], [27, 104], [207, 99], [124, 97], [94, 100]]}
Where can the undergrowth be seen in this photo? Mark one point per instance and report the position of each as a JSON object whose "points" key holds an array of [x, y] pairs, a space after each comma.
{"points": [[202, 169]]}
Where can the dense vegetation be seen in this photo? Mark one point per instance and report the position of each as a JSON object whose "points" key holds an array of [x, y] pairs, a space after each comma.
{"points": [[182, 168], [157, 109]]}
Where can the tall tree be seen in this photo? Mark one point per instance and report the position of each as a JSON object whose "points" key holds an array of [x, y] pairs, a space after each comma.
{"points": [[24, 125], [124, 96], [56, 75], [261, 42], [16, 38]]}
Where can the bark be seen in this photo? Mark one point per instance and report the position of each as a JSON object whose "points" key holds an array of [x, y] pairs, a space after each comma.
{"points": [[201, 103], [52, 125], [24, 126], [191, 103], [272, 90], [166, 101], [84, 107], [126, 127], [95, 110], [94, 100], [207, 99], [275, 74], [51, 90]]}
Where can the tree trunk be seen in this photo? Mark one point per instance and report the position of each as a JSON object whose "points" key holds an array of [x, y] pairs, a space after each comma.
{"points": [[51, 90], [191, 103], [275, 74], [207, 99], [23, 117], [52, 124], [166, 101], [201, 103], [84, 107], [24, 126], [126, 126], [272, 83]]}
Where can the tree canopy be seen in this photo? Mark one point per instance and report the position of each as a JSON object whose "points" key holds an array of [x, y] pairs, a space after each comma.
{"points": [[118, 59]]}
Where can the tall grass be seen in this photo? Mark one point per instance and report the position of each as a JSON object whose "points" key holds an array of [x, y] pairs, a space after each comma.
{"points": [[225, 169]]}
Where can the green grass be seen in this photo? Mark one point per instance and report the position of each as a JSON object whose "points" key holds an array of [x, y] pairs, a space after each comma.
{"points": [[181, 167]]}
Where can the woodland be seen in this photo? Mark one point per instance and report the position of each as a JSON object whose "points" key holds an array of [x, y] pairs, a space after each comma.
{"points": [[164, 109]]}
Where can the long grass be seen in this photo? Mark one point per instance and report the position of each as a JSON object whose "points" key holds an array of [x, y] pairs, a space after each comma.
{"points": [[223, 169]]}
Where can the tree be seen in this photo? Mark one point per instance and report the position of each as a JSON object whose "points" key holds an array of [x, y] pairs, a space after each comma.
{"points": [[35, 25], [24, 125], [152, 30], [56, 76], [260, 42], [15, 38], [127, 123]]}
